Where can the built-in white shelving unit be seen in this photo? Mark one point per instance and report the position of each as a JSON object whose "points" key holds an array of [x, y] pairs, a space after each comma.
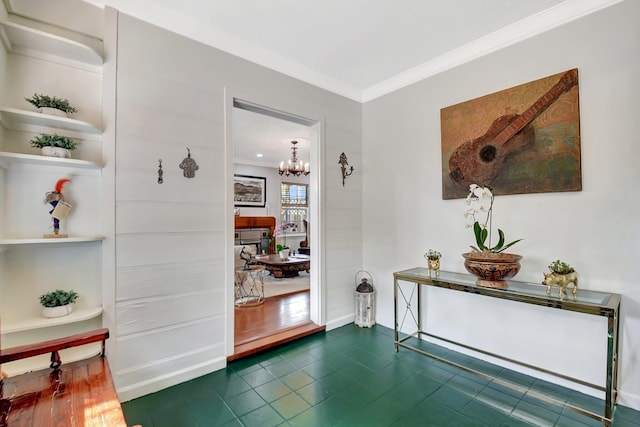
{"points": [[50, 241], [42, 322], [13, 118], [45, 62], [28, 40], [6, 158]]}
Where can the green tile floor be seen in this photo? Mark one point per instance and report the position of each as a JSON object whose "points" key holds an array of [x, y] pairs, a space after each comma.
{"points": [[351, 376]]}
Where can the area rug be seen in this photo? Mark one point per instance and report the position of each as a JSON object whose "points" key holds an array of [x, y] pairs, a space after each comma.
{"points": [[276, 287]]}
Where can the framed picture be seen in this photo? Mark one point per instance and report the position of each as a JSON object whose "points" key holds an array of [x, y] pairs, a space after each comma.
{"points": [[525, 139], [249, 191]]}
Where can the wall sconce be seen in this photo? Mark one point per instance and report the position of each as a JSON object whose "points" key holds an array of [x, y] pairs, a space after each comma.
{"points": [[343, 167]]}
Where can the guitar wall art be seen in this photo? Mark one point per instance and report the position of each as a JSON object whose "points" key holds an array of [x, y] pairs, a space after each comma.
{"points": [[520, 140]]}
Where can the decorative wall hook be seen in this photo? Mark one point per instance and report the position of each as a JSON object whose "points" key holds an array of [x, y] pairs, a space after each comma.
{"points": [[160, 180], [189, 166], [343, 167]]}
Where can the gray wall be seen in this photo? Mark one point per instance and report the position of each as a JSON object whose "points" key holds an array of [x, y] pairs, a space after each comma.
{"points": [[173, 309], [595, 230]]}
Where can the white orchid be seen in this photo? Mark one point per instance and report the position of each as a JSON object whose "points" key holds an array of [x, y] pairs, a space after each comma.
{"points": [[480, 201]]}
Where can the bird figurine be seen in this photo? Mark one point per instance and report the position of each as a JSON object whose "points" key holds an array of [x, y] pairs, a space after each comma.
{"points": [[60, 208]]}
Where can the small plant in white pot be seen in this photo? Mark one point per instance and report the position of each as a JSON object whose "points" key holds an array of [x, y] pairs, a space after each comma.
{"points": [[54, 145], [51, 105], [58, 303]]}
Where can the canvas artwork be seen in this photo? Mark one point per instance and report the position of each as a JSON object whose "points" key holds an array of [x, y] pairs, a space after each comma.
{"points": [[520, 140], [249, 191]]}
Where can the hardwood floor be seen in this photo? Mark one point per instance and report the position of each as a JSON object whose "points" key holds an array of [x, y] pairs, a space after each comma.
{"points": [[280, 319]]}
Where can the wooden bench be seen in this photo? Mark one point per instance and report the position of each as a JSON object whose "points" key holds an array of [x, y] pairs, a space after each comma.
{"points": [[78, 394]]}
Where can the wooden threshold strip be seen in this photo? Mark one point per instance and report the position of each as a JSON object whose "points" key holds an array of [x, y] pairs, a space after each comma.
{"points": [[270, 341]]}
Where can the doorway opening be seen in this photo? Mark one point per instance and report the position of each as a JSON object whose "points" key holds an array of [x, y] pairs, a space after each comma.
{"points": [[261, 140]]}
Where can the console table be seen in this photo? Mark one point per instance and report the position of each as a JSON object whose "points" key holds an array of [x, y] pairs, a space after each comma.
{"points": [[588, 302]]}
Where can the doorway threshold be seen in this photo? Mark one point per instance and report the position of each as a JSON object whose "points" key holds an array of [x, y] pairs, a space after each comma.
{"points": [[247, 348]]}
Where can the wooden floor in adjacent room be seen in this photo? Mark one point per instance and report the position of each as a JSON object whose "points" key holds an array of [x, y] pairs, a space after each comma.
{"points": [[279, 320]]}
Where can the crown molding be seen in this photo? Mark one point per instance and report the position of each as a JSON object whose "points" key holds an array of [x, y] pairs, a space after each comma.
{"points": [[188, 26], [546, 20]]}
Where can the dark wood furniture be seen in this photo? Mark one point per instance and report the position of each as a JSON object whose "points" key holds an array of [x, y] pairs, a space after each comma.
{"points": [[79, 393], [258, 222], [280, 268]]}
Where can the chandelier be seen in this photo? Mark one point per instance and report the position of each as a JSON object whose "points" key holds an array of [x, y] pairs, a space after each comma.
{"points": [[294, 167]]}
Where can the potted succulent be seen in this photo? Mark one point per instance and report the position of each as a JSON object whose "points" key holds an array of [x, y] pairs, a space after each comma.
{"points": [[560, 267], [562, 274], [51, 105], [54, 145], [57, 303], [433, 261]]}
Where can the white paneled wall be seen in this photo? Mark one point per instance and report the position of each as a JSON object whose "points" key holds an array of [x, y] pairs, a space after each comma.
{"points": [[169, 237], [172, 283]]}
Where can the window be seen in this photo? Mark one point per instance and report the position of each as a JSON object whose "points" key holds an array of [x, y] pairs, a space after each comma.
{"points": [[294, 203]]}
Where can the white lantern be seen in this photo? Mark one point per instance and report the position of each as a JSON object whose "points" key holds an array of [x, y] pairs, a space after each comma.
{"points": [[365, 302]]}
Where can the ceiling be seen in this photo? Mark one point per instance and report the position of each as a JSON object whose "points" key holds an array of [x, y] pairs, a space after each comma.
{"points": [[360, 49]]}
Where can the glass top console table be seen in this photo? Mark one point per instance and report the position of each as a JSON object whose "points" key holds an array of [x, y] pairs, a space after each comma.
{"points": [[588, 302]]}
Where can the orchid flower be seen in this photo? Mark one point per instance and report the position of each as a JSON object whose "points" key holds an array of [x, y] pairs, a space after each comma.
{"points": [[480, 202]]}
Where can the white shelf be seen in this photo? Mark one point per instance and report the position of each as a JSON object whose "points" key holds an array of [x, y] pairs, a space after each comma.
{"points": [[50, 240], [19, 37], [9, 327], [56, 49], [43, 361], [16, 119], [7, 157]]}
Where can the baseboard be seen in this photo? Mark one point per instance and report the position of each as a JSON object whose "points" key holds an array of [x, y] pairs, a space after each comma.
{"points": [[629, 400], [341, 321], [158, 383]]}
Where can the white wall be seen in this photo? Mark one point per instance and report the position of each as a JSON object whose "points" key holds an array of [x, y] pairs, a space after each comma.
{"points": [[595, 229], [173, 310]]}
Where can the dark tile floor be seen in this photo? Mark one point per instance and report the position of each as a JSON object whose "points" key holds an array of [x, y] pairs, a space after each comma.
{"points": [[352, 377]]}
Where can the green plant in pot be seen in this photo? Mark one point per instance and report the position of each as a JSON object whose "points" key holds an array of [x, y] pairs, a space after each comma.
{"points": [[433, 261], [487, 260], [54, 145], [560, 267], [51, 105], [281, 231], [57, 303], [562, 275]]}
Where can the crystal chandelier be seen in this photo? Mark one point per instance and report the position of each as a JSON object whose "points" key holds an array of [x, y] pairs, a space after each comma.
{"points": [[294, 167]]}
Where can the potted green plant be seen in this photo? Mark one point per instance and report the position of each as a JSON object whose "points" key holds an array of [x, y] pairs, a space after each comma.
{"points": [[57, 303], [281, 231], [560, 267], [51, 105], [54, 145], [487, 260], [561, 275], [433, 261]]}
